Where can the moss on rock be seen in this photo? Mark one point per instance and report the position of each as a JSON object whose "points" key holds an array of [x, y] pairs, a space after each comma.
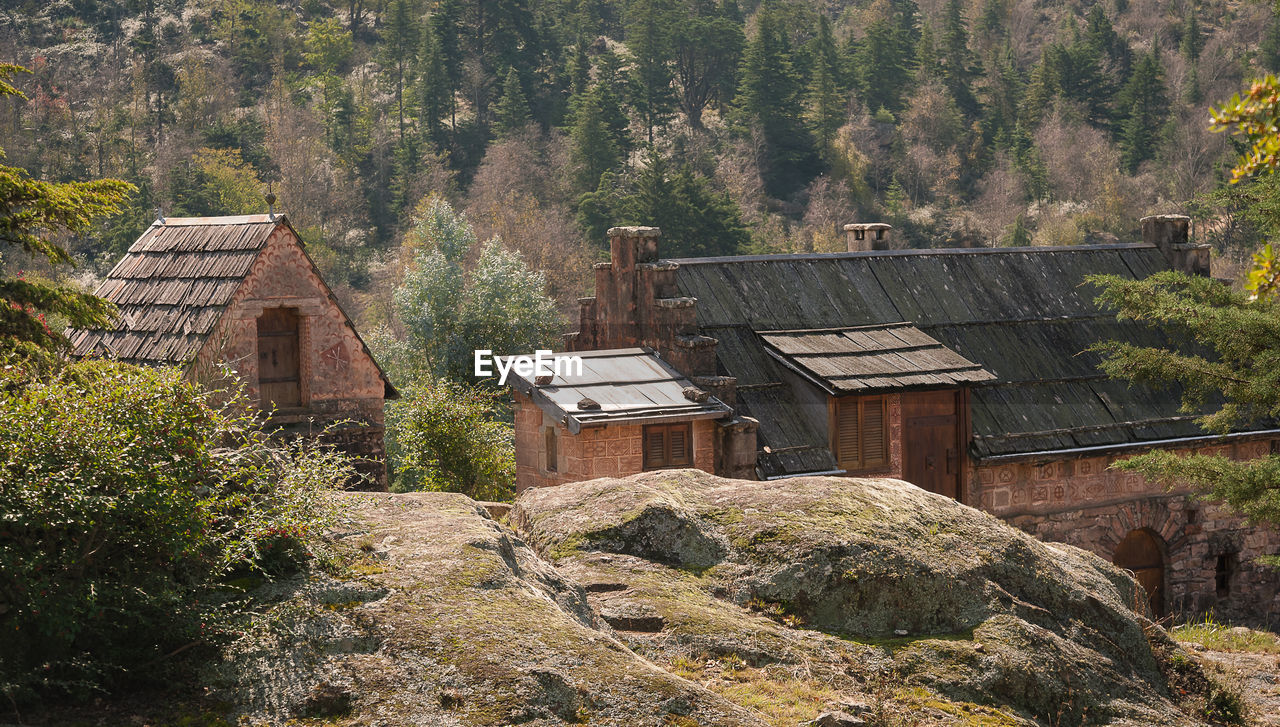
{"points": [[837, 573]]}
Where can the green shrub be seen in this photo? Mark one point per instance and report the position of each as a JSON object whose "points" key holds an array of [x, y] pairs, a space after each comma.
{"points": [[448, 437], [127, 499]]}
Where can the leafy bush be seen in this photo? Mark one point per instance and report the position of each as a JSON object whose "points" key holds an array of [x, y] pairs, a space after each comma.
{"points": [[446, 436], [127, 499], [451, 306]]}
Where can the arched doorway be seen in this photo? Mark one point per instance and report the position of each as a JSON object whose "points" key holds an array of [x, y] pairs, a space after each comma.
{"points": [[1142, 552]]}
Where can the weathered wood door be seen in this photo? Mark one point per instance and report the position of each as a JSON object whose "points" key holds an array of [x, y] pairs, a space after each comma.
{"points": [[1141, 553], [931, 441], [278, 363]]}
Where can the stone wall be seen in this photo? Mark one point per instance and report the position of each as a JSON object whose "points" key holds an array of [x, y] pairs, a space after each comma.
{"points": [[1082, 502], [339, 380], [610, 451]]}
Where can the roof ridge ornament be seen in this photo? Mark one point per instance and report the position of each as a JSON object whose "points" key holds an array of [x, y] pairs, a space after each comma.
{"points": [[271, 206]]}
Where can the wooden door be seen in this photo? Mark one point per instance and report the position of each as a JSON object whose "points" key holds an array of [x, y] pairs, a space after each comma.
{"points": [[279, 382], [931, 441], [1140, 552]]}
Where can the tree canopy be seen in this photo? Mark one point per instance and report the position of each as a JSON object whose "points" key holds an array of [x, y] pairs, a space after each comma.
{"points": [[32, 214]]}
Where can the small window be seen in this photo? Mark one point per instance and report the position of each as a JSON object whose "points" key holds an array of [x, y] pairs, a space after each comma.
{"points": [[859, 234], [879, 234], [668, 445], [858, 437], [549, 436], [1223, 573]]}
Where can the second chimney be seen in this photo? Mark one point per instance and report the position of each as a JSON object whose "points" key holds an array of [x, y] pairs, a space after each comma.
{"points": [[863, 236], [1170, 233]]}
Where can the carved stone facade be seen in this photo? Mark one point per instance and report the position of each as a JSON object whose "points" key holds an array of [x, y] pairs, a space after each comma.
{"points": [[1209, 555], [342, 389]]}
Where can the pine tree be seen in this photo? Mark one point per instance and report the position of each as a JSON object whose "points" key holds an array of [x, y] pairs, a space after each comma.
{"points": [[1233, 366], [884, 61], [991, 23], [1192, 42], [695, 221], [446, 27], [579, 69], [33, 214], [768, 98], [399, 51], [1191, 45], [1017, 234], [1191, 92], [1101, 35], [1269, 48], [512, 113], [593, 149], [707, 49], [826, 101], [432, 95], [928, 64], [1003, 90], [649, 41], [1144, 99], [1042, 89], [959, 65]]}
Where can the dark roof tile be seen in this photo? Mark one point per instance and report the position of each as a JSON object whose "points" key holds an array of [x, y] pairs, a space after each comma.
{"points": [[1023, 314]]}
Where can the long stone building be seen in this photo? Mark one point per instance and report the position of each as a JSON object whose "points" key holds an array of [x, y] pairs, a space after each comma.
{"points": [[200, 292], [966, 372]]}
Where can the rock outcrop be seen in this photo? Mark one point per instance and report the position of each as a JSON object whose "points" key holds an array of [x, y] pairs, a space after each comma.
{"points": [[862, 582], [678, 598]]}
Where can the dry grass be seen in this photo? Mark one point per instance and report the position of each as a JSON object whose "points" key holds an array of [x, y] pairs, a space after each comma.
{"points": [[1225, 637]]}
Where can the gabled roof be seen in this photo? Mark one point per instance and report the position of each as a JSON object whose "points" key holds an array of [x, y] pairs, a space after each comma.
{"points": [[1023, 314], [866, 359], [631, 385], [174, 284]]}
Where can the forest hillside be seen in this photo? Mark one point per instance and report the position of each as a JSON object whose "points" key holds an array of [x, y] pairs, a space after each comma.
{"points": [[734, 126]]}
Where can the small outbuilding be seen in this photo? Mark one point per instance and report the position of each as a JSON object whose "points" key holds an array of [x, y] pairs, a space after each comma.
{"points": [[198, 292], [624, 411]]}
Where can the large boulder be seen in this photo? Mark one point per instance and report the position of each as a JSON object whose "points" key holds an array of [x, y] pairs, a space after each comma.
{"points": [[880, 589], [450, 620]]}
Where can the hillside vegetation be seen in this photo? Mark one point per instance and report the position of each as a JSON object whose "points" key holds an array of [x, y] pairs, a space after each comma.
{"points": [[733, 126]]}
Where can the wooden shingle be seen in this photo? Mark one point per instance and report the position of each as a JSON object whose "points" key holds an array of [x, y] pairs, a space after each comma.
{"points": [[172, 287]]}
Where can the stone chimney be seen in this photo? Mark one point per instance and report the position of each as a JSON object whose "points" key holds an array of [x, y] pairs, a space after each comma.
{"points": [[637, 304], [1171, 234], [863, 236]]}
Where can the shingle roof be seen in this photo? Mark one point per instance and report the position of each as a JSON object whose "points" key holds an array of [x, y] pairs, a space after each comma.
{"points": [[865, 359], [173, 285], [619, 385], [1024, 314]]}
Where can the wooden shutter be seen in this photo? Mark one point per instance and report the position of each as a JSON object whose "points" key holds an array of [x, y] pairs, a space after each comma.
{"points": [[668, 445], [655, 446], [873, 439], [858, 437], [678, 444], [846, 434], [552, 455]]}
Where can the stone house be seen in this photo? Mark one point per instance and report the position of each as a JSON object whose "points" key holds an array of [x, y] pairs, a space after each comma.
{"points": [[199, 292], [627, 411], [964, 371]]}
